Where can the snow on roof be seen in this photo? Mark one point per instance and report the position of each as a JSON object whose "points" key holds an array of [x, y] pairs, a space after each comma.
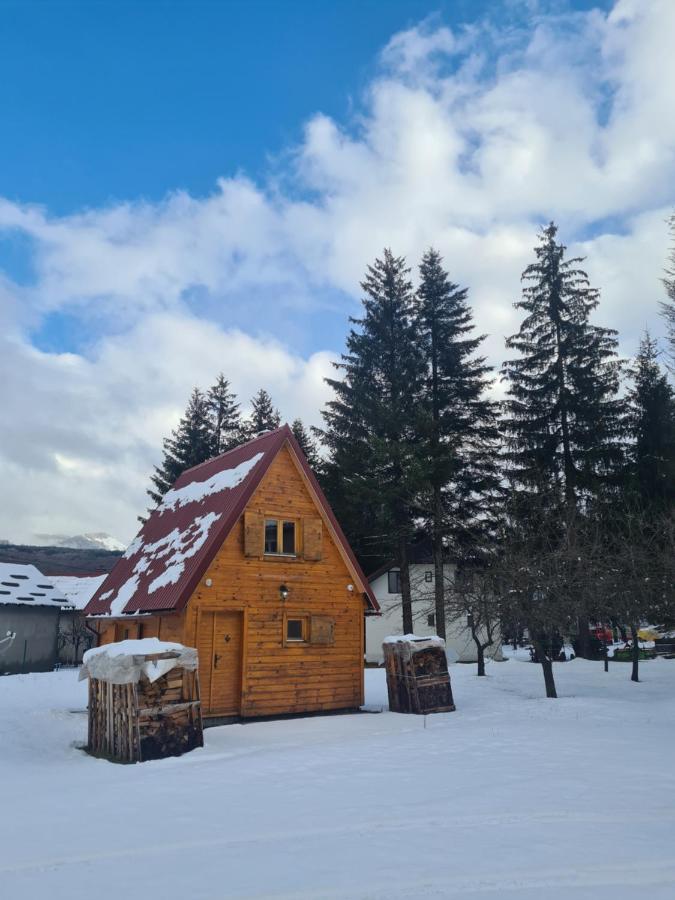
{"points": [[195, 491], [163, 564], [160, 567], [25, 585], [78, 589]]}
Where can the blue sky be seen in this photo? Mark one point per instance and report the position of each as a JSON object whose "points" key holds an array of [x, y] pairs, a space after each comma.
{"points": [[191, 187], [119, 100]]}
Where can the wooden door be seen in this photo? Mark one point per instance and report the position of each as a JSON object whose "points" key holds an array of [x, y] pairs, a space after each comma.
{"points": [[219, 644]]}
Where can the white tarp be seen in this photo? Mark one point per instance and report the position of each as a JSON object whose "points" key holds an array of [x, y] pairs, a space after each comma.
{"points": [[125, 661]]}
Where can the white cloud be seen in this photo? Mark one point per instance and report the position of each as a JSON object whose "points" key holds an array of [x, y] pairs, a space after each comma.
{"points": [[467, 141], [80, 436]]}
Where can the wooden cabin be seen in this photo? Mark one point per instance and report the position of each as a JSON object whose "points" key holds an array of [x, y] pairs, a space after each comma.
{"points": [[245, 561]]}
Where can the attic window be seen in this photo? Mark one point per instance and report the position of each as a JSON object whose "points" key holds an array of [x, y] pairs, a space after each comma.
{"points": [[394, 581], [280, 537]]}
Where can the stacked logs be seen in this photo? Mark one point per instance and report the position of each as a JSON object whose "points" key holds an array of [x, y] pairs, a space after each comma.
{"points": [[418, 680], [145, 720]]}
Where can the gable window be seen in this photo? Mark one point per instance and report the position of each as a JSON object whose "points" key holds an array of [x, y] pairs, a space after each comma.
{"points": [[280, 537], [394, 577], [431, 620], [428, 577]]}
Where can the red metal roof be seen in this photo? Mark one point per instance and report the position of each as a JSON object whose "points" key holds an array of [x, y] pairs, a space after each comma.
{"points": [[164, 563]]}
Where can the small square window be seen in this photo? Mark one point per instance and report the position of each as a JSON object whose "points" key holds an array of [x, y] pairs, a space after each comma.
{"points": [[271, 542], [296, 629], [428, 577], [431, 620], [394, 578]]}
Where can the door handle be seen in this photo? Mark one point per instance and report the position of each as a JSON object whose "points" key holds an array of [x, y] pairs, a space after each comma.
{"points": [[215, 660], [227, 638]]}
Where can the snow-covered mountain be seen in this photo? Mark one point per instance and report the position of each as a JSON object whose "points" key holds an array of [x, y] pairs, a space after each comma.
{"points": [[93, 540]]}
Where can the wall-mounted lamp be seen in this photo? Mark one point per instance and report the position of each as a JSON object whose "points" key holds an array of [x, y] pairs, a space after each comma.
{"points": [[283, 591], [208, 582], [350, 588]]}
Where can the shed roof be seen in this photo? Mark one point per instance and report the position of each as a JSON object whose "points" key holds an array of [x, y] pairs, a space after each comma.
{"points": [[164, 563], [77, 589], [25, 585]]}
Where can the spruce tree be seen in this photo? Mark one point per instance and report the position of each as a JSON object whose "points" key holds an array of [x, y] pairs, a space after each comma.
{"points": [[189, 444], [460, 431], [652, 430], [562, 416], [225, 416], [307, 443], [668, 307], [370, 431], [263, 417]]}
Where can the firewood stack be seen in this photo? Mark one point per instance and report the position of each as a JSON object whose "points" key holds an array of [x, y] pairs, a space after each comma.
{"points": [[152, 715], [418, 680]]}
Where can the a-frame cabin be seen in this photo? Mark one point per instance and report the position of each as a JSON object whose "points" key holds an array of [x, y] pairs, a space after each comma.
{"points": [[245, 560]]}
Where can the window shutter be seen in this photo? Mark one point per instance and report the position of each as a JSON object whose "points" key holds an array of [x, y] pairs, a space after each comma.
{"points": [[322, 630], [312, 538], [254, 524]]}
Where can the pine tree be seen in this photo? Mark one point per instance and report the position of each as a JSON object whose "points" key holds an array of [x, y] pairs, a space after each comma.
{"points": [[263, 417], [460, 433], [668, 307], [562, 416], [225, 416], [307, 443], [370, 431], [190, 443], [652, 430]]}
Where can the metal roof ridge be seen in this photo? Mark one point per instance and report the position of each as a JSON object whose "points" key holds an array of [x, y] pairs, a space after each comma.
{"points": [[236, 449]]}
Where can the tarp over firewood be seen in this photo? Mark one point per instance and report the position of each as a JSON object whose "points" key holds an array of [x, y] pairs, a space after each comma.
{"points": [[126, 661]]}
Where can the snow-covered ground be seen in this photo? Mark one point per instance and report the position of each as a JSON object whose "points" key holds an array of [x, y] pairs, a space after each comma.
{"points": [[513, 795]]}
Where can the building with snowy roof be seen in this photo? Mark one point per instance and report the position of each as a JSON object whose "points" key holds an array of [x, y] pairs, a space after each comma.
{"points": [[244, 560], [75, 635], [30, 609]]}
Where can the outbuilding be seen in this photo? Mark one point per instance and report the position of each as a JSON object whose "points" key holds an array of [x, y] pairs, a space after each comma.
{"points": [[30, 607], [245, 560]]}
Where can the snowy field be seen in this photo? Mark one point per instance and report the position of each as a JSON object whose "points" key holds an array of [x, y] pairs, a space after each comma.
{"points": [[513, 795]]}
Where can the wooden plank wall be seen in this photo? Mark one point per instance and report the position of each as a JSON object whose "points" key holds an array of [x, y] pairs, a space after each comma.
{"points": [[277, 678]]}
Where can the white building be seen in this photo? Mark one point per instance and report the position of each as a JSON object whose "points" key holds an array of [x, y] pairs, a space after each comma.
{"points": [[386, 585]]}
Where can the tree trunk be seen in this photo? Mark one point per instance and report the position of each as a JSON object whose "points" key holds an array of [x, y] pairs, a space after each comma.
{"points": [[481, 659], [636, 654], [406, 596], [584, 643], [439, 574], [546, 667]]}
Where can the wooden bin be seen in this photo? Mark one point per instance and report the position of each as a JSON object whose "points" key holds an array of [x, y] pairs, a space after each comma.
{"points": [[418, 680], [146, 719]]}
